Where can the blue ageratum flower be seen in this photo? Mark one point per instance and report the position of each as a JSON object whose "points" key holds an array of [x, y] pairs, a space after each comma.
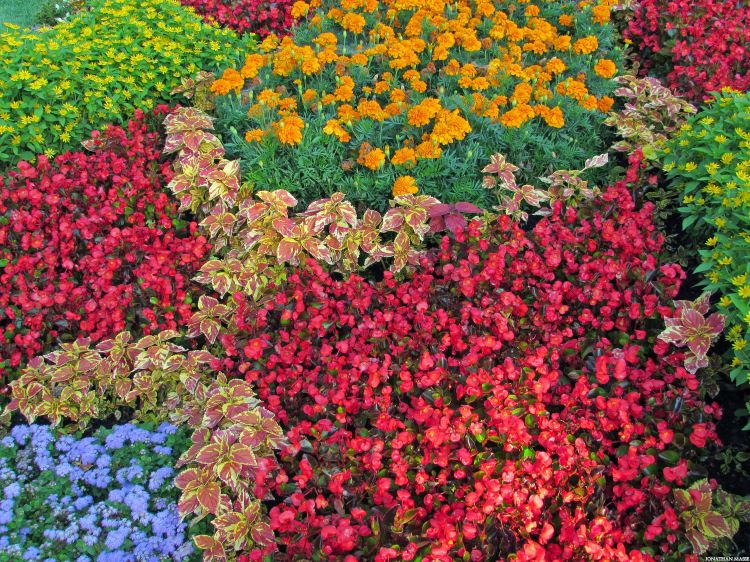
{"points": [[105, 497]]}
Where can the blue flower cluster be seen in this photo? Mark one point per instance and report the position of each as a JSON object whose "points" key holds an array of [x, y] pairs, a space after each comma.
{"points": [[105, 498]]}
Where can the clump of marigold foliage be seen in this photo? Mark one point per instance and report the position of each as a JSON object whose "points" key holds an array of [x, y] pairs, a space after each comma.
{"points": [[708, 164], [91, 244], [58, 84], [375, 99]]}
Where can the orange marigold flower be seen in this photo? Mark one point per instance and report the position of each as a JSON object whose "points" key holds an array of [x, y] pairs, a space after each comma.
{"points": [[269, 43], [289, 129], [371, 109], [254, 135], [333, 127], [586, 45], [565, 20], [405, 155], [517, 116], [555, 66], [480, 83], [300, 9], [423, 112], [309, 95], [531, 11], [347, 113], [522, 93], [605, 68], [562, 42], [398, 95], [353, 22], [253, 63], [405, 185], [590, 103], [369, 157], [554, 118], [600, 14], [428, 149], [326, 39], [450, 126], [231, 80], [381, 87], [605, 104]]}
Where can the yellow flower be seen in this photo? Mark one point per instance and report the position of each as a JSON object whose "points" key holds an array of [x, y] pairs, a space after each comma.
{"points": [[711, 242], [405, 185], [744, 292], [690, 166]]}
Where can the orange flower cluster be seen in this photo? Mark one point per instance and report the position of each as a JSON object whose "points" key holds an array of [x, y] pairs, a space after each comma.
{"points": [[366, 65]]}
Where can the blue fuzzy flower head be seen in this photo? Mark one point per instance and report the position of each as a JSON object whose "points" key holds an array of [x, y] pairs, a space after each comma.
{"points": [[109, 494]]}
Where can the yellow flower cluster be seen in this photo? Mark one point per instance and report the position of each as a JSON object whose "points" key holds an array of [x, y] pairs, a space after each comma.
{"points": [[110, 59], [421, 76], [709, 160]]}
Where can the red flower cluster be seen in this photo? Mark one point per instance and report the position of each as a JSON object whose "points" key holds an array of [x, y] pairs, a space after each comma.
{"points": [[703, 45], [506, 400], [251, 16], [89, 246]]}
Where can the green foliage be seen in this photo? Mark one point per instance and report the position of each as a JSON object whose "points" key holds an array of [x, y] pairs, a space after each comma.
{"points": [[708, 165], [54, 12], [58, 84], [19, 12], [710, 516]]}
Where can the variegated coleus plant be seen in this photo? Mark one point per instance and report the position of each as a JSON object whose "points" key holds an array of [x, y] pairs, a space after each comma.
{"points": [[691, 326], [562, 185], [710, 514], [155, 379], [255, 233], [651, 114]]}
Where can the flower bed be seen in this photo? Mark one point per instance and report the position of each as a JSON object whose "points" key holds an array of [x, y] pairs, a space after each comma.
{"points": [[57, 85], [246, 16], [352, 104], [104, 498], [701, 46], [708, 164], [91, 245], [391, 371]]}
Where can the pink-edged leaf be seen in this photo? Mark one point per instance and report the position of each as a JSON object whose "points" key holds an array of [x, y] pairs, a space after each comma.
{"points": [[699, 542], [466, 207], [714, 526], [596, 161], [286, 227], [674, 335], [288, 251], [262, 534], [208, 496], [392, 220], [455, 222], [210, 329]]}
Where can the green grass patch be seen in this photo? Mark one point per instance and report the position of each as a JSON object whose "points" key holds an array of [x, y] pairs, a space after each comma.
{"points": [[20, 12]]}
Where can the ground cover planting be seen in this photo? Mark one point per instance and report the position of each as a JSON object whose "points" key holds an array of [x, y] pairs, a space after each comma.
{"points": [[59, 84], [353, 280]]}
